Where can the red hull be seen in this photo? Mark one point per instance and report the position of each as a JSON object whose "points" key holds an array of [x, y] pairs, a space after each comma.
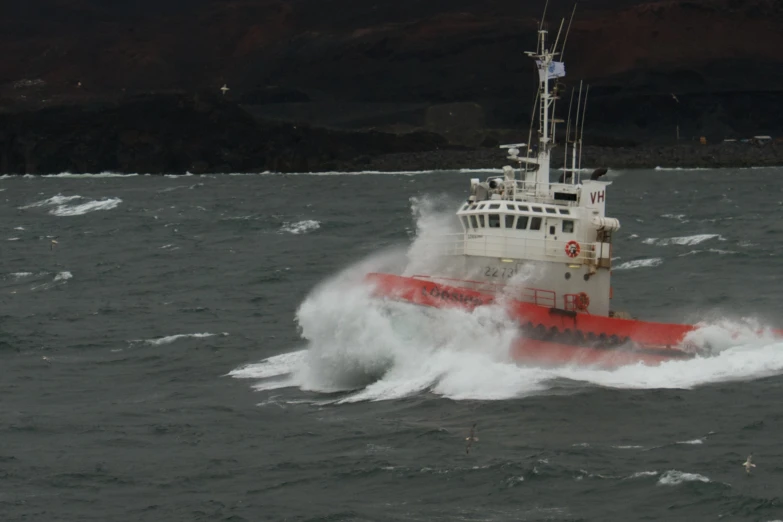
{"points": [[550, 335]]}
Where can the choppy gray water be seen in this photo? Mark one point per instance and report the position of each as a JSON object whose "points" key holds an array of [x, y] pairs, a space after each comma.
{"points": [[186, 351]]}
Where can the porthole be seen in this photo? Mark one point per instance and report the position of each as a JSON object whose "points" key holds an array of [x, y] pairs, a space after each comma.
{"points": [[568, 275]]}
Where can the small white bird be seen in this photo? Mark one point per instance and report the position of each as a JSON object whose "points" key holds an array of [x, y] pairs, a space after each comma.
{"points": [[471, 438], [54, 242], [675, 98], [225, 89], [748, 464]]}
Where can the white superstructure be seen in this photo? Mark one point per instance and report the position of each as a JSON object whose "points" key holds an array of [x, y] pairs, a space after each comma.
{"points": [[557, 233]]}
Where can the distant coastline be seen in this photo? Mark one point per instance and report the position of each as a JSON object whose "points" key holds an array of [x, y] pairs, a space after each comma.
{"points": [[178, 133], [641, 157]]}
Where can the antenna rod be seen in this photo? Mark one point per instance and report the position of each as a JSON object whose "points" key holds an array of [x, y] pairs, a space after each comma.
{"points": [[568, 31], [581, 133], [576, 129], [559, 31], [568, 134], [532, 120], [541, 25]]}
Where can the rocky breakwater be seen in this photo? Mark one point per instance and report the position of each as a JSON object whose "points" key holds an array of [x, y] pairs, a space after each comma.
{"points": [[177, 133]]}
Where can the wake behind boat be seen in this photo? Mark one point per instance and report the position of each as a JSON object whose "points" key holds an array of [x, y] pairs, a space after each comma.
{"points": [[557, 236]]}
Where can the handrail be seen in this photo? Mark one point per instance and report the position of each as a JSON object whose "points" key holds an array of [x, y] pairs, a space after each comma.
{"points": [[537, 296]]}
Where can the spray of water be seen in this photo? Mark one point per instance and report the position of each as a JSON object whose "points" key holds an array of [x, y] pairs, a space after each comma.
{"points": [[373, 349]]}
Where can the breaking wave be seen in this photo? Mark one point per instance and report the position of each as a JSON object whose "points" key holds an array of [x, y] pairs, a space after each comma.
{"points": [[171, 338], [301, 227], [368, 349], [685, 240], [639, 263], [674, 477], [61, 205]]}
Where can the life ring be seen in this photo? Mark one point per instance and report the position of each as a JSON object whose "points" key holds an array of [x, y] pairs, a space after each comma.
{"points": [[572, 248], [582, 301]]}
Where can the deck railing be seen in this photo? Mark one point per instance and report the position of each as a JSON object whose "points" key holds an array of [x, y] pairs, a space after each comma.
{"points": [[537, 296]]}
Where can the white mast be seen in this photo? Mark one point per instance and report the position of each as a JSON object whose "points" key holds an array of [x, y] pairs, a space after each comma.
{"points": [[548, 69]]}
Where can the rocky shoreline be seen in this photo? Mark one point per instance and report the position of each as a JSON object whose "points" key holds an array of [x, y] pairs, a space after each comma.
{"points": [[640, 157], [200, 133]]}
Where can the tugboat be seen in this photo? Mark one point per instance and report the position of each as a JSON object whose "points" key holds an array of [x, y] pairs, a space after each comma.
{"points": [[558, 236]]}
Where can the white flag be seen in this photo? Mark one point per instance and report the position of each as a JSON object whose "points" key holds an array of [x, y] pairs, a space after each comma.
{"points": [[555, 70]]}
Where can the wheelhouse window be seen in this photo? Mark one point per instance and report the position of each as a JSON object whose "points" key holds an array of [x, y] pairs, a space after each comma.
{"points": [[537, 209], [509, 221], [568, 226], [481, 220], [473, 222], [551, 211], [523, 208], [494, 206], [552, 230], [564, 211], [521, 223], [493, 220], [535, 223]]}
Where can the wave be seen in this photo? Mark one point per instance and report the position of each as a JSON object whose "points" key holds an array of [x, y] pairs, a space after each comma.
{"points": [[301, 227], [678, 217], [684, 240], [681, 168], [171, 338], [709, 251], [639, 263], [640, 474], [62, 206], [73, 175], [84, 208], [694, 441], [674, 477], [60, 278]]}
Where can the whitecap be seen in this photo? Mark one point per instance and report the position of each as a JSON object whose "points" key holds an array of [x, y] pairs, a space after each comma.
{"points": [[709, 251], [674, 477], [89, 175], [19, 275], [301, 227], [171, 338], [54, 200], [63, 207], [63, 276], [84, 208], [276, 366], [694, 441], [640, 474], [684, 240], [639, 263]]}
